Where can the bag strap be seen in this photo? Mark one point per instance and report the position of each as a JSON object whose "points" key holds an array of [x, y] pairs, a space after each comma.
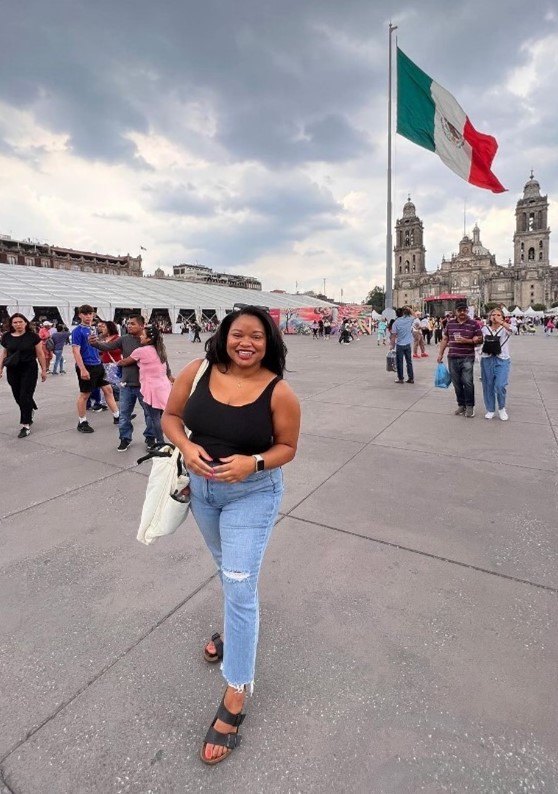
{"points": [[199, 374]]}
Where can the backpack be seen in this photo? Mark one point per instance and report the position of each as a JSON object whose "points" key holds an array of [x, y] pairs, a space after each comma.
{"points": [[49, 344], [492, 345]]}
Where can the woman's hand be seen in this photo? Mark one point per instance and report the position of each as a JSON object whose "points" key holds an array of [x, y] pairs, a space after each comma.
{"points": [[195, 458], [235, 468], [43, 376]]}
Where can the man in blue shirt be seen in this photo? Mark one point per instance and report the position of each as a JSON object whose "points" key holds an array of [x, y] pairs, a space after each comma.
{"points": [[89, 369], [403, 329]]}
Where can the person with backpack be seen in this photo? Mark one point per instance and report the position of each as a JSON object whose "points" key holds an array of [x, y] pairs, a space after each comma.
{"points": [[495, 364]]}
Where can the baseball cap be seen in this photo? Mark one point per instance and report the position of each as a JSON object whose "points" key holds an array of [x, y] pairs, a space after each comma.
{"points": [[461, 305]]}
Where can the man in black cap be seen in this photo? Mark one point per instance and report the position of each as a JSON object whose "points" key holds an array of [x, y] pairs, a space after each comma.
{"points": [[461, 335]]}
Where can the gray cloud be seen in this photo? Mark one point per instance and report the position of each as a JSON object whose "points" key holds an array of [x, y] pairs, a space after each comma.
{"points": [[180, 200], [296, 90]]}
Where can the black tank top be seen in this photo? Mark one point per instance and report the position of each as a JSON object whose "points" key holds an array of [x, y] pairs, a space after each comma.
{"points": [[224, 430]]}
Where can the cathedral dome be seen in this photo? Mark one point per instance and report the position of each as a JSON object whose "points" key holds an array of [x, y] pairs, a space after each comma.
{"points": [[409, 209], [532, 188]]}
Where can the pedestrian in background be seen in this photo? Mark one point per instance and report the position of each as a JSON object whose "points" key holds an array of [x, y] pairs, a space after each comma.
{"points": [[22, 348], [461, 334], [155, 375], [60, 338], [495, 364], [130, 384], [403, 330]]}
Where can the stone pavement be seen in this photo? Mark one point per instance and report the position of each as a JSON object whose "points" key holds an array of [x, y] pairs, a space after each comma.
{"points": [[409, 614]]}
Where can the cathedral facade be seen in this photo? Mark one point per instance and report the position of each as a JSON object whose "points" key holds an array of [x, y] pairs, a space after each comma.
{"points": [[473, 272]]}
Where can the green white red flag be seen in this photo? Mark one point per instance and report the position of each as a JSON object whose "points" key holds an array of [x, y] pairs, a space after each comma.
{"points": [[431, 117]]}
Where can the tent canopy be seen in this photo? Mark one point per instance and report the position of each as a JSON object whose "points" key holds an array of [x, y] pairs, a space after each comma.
{"points": [[517, 312], [25, 287]]}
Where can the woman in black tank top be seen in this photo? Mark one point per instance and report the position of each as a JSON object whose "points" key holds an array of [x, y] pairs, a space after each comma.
{"points": [[244, 422]]}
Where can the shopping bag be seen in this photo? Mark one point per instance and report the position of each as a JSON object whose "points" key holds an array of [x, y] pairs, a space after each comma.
{"points": [[390, 361], [164, 508], [442, 378]]}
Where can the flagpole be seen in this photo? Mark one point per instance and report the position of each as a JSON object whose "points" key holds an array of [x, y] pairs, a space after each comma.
{"points": [[389, 243]]}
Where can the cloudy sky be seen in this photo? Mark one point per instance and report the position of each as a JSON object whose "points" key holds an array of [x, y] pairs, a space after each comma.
{"points": [[250, 135]]}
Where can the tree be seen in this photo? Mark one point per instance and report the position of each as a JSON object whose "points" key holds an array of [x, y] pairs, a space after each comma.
{"points": [[376, 298], [539, 307], [491, 305]]}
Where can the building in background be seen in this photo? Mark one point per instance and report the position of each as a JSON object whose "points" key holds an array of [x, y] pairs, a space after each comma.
{"points": [[201, 274], [27, 253], [473, 272]]}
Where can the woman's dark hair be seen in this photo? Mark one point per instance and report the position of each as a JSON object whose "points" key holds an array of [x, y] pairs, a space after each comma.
{"points": [[275, 349], [23, 317], [156, 339], [112, 330]]}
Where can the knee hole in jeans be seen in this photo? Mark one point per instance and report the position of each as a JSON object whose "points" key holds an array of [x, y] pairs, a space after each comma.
{"points": [[236, 576]]}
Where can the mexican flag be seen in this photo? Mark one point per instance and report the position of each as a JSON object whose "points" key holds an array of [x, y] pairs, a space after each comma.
{"points": [[429, 116]]}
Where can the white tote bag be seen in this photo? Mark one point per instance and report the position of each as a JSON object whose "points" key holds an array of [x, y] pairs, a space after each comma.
{"points": [[164, 509]]}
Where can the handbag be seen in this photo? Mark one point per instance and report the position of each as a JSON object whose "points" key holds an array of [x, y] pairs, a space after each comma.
{"points": [[390, 361], [13, 359], [492, 345], [165, 506]]}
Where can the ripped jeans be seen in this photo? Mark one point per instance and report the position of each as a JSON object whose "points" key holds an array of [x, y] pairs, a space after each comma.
{"points": [[236, 520]]}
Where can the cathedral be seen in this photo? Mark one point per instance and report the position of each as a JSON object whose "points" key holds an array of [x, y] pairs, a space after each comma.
{"points": [[473, 273]]}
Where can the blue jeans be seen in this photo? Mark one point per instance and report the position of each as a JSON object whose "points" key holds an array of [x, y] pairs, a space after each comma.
{"points": [[236, 520], [128, 397], [58, 361], [461, 371], [495, 374], [155, 414], [400, 352], [95, 398]]}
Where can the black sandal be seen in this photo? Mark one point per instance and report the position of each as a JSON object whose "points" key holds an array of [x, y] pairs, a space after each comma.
{"points": [[228, 740], [212, 658]]}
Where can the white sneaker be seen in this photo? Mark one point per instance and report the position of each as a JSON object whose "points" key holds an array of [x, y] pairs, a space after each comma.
{"points": [[503, 414], [489, 415]]}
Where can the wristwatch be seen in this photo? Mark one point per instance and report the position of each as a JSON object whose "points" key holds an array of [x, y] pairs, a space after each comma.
{"points": [[260, 462]]}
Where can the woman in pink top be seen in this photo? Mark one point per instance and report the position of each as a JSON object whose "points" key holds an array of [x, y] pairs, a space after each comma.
{"points": [[154, 374]]}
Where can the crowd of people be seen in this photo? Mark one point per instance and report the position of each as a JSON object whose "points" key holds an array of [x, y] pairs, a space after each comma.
{"points": [[467, 339]]}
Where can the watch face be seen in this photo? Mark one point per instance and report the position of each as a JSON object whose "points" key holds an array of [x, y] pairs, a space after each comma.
{"points": [[260, 465]]}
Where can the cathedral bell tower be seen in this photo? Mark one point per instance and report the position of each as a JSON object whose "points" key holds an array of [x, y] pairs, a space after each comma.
{"points": [[409, 256], [532, 235]]}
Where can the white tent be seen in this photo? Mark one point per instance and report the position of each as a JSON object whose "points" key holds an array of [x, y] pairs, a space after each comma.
{"points": [[552, 312], [505, 312], [517, 312], [530, 312], [24, 288]]}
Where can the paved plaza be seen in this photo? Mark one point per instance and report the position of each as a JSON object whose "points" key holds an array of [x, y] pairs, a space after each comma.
{"points": [[409, 635]]}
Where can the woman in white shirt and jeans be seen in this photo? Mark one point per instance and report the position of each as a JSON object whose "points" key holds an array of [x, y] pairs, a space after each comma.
{"points": [[495, 363]]}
